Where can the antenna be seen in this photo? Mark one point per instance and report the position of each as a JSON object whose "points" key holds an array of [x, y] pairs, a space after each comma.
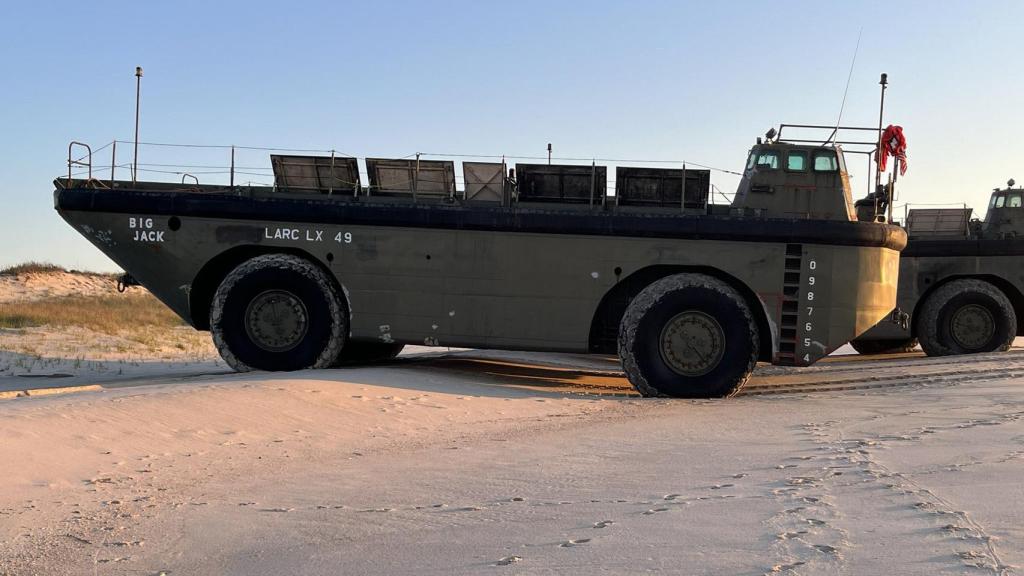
{"points": [[138, 92], [842, 106]]}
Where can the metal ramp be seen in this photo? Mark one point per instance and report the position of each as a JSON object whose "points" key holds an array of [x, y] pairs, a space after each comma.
{"points": [[939, 222], [323, 174], [662, 187], [484, 181], [409, 177], [562, 183]]}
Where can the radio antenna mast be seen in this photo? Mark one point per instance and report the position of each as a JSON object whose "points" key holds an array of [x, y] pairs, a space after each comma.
{"points": [[839, 120]]}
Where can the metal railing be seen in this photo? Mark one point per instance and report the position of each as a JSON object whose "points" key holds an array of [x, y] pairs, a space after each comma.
{"points": [[190, 172]]}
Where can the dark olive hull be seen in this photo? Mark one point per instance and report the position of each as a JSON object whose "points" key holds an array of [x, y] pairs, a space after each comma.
{"points": [[524, 278]]}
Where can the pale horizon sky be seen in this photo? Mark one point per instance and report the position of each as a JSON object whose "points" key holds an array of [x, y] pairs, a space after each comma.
{"points": [[652, 80]]}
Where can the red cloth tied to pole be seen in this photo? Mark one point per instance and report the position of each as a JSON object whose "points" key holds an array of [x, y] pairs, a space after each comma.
{"points": [[895, 143]]}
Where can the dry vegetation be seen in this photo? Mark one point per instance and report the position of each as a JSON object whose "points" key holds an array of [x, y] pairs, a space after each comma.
{"points": [[29, 268], [106, 314], [52, 319]]}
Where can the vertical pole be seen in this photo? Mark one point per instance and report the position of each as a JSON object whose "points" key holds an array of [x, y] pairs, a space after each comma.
{"points": [[892, 184], [113, 162], [232, 167], [878, 150], [549, 153], [682, 191], [416, 178], [593, 180], [868, 179], [138, 93], [330, 185]]}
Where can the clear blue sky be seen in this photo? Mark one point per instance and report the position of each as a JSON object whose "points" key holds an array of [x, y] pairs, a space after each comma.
{"points": [[660, 80]]}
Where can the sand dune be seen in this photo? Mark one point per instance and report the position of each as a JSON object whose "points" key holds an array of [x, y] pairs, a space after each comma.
{"points": [[53, 284]]}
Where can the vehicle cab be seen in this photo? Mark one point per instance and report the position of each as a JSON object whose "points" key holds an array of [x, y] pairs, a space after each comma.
{"points": [[1005, 216], [791, 180]]}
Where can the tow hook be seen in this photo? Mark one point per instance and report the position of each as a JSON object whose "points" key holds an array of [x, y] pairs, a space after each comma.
{"points": [[900, 318], [124, 281]]}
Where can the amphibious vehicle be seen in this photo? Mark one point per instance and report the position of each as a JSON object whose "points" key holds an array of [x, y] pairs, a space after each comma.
{"points": [[322, 269], [961, 281]]}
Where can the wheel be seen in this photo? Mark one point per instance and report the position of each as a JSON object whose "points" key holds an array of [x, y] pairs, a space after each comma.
{"points": [[355, 353], [278, 312], [890, 346], [965, 317], [688, 336]]}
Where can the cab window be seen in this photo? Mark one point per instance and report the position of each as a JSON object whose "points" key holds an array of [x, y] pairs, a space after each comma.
{"points": [[751, 160], [992, 202], [825, 162], [1013, 201], [1000, 200], [796, 161], [768, 159]]}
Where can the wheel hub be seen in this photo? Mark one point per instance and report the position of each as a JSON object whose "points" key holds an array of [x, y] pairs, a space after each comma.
{"points": [[692, 343], [276, 321], [972, 326]]}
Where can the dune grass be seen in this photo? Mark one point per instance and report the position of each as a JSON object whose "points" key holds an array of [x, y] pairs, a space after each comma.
{"points": [[30, 267], [106, 314]]}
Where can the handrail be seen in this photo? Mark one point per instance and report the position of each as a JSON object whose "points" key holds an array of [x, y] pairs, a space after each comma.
{"points": [[79, 161], [187, 175], [833, 132]]}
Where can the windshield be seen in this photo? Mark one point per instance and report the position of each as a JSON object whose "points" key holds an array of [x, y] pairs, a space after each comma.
{"points": [[796, 161], [768, 159], [825, 161]]}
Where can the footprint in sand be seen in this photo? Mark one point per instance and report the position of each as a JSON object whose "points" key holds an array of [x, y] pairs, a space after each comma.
{"points": [[826, 549], [603, 524], [508, 560], [720, 486], [571, 543], [670, 496], [655, 511], [786, 567]]}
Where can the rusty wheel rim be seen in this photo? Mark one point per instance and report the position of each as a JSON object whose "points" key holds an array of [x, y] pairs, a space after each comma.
{"points": [[692, 343], [972, 326], [276, 321]]}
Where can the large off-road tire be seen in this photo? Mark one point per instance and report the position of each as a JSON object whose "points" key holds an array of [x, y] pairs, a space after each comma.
{"points": [[278, 312], [688, 336], [965, 317], [888, 346], [356, 353]]}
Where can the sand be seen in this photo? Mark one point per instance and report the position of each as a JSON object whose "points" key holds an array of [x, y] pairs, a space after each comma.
{"points": [[485, 462]]}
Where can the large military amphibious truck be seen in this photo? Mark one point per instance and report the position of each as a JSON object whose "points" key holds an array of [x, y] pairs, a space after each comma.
{"points": [[321, 270], [961, 281]]}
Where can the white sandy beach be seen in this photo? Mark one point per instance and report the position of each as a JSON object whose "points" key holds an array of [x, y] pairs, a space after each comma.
{"points": [[470, 462]]}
